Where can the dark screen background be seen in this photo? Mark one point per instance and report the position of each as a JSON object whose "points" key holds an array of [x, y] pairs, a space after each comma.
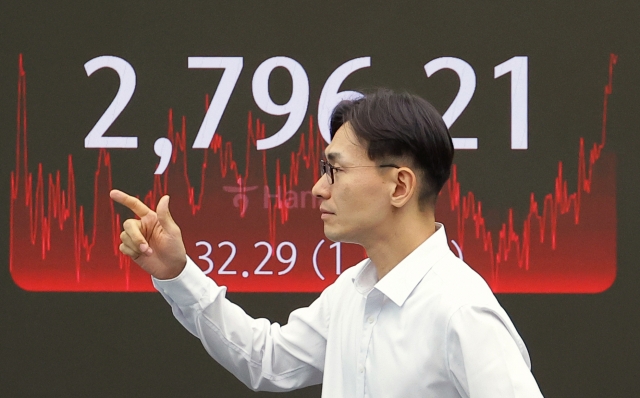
{"points": [[119, 344]]}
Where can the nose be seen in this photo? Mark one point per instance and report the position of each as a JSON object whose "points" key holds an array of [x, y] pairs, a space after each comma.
{"points": [[321, 188]]}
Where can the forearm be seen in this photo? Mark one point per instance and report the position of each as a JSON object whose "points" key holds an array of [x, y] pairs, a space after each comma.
{"points": [[251, 349]]}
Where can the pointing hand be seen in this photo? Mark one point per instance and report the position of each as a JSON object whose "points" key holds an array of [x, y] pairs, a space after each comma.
{"points": [[154, 241]]}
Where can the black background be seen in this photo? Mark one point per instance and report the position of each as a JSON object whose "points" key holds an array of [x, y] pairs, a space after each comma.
{"points": [[116, 344]]}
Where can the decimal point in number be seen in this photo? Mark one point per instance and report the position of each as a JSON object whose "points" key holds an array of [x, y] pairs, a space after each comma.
{"points": [[245, 274], [163, 148]]}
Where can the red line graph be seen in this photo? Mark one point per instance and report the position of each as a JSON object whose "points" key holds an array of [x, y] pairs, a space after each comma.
{"points": [[566, 243], [554, 206]]}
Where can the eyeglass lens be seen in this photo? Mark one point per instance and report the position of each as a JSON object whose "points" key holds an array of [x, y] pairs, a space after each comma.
{"points": [[326, 169]]}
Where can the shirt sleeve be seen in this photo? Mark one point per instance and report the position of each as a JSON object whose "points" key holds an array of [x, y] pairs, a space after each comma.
{"points": [[486, 356], [264, 356]]}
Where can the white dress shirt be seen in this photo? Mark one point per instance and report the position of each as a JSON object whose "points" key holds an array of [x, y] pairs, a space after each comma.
{"points": [[430, 328]]}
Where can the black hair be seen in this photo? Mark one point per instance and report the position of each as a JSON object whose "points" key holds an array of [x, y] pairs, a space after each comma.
{"points": [[404, 126]]}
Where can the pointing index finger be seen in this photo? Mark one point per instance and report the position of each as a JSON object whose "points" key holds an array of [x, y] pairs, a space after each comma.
{"points": [[134, 204]]}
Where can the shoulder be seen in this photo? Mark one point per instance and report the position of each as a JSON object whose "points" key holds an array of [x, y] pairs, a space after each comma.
{"points": [[467, 302], [454, 284]]}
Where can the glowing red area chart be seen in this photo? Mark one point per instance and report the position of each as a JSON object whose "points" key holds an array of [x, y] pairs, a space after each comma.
{"points": [[256, 236]]}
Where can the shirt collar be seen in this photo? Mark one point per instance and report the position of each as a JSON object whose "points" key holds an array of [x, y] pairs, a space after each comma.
{"points": [[398, 284]]}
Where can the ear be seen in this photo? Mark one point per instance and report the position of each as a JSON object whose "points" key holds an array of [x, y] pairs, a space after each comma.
{"points": [[406, 185]]}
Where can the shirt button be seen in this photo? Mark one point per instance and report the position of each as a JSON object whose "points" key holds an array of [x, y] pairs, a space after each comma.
{"points": [[360, 369], [371, 319]]}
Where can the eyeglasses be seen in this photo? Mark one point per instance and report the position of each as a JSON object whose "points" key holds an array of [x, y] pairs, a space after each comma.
{"points": [[328, 169]]}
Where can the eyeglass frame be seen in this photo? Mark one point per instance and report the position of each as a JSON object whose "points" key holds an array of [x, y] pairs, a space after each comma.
{"points": [[328, 169]]}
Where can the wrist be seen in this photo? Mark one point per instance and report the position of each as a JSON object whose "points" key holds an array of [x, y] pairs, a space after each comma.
{"points": [[170, 272]]}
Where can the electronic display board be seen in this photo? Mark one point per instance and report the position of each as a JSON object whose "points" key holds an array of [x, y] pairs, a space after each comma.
{"points": [[245, 205]]}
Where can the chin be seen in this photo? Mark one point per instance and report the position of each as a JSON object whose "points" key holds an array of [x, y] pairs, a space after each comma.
{"points": [[333, 235], [338, 236]]}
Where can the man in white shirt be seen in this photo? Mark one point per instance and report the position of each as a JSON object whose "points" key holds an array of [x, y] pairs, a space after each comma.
{"points": [[412, 320]]}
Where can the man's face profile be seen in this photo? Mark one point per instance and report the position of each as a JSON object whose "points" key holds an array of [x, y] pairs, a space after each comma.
{"points": [[355, 206]]}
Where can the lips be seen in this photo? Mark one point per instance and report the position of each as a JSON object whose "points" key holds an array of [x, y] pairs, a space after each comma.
{"points": [[324, 211], [324, 214]]}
